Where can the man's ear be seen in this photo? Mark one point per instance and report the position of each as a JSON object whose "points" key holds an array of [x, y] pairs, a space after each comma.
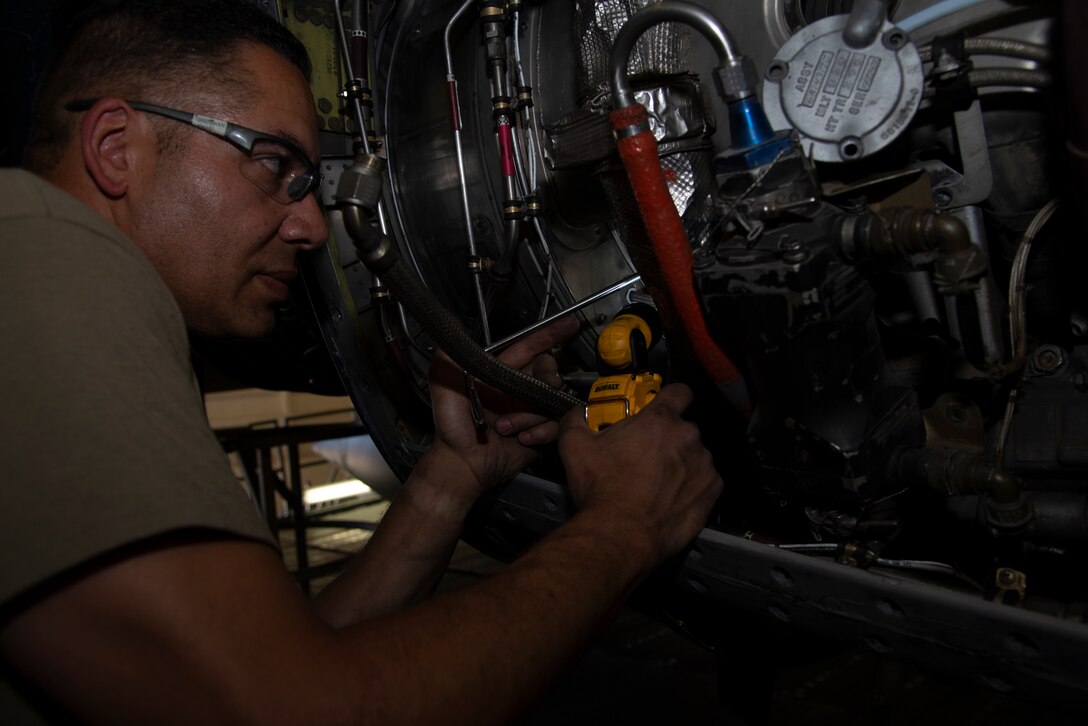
{"points": [[112, 137]]}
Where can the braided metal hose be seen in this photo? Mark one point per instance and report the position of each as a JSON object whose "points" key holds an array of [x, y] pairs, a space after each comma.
{"points": [[997, 46], [987, 77], [381, 257]]}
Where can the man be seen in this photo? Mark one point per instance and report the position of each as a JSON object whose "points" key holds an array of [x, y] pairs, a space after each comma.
{"points": [[138, 583]]}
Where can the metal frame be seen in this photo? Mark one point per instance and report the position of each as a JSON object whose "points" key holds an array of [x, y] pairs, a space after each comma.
{"points": [[265, 480]]}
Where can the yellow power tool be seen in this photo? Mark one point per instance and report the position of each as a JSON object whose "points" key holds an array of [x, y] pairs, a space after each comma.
{"points": [[623, 351]]}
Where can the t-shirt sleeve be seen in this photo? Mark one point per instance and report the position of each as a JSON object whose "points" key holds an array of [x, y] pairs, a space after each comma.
{"points": [[104, 439]]}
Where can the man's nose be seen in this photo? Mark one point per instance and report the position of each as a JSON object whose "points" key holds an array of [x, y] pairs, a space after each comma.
{"points": [[306, 226]]}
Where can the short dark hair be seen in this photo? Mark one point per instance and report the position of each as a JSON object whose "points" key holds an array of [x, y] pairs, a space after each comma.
{"points": [[151, 50]]}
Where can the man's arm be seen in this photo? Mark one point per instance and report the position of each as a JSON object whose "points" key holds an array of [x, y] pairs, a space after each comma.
{"points": [[407, 555], [216, 631]]}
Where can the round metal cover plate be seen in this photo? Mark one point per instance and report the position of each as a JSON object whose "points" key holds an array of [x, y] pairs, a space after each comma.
{"points": [[846, 103]]}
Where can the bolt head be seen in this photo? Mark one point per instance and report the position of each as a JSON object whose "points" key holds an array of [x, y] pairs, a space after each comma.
{"points": [[1048, 359]]}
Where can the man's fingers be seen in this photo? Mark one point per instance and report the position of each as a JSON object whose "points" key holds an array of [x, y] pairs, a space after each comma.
{"points": [[544, 368], [516, 422], [445, 372], [539, 435], [676, 397], [574, 422], [522, 352]]}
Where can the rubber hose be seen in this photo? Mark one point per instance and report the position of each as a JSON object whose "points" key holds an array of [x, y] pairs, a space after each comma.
{"points": [[380, 256], [451, 337], [673, 251]]}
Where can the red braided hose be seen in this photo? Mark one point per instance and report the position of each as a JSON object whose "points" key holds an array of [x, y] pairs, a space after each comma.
{"points": [[673, 251]]}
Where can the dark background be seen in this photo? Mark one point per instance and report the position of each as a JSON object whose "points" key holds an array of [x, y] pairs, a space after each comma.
{"points": [[27, 35]]}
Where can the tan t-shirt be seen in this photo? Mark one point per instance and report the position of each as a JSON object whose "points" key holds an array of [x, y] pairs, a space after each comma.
{"points": [[103, 436]]}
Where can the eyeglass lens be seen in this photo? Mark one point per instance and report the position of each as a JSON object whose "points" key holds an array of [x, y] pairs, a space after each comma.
{"points": [[278, 170]]}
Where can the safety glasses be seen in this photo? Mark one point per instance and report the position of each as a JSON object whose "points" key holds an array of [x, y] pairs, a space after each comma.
{"points": [[273, 164]]}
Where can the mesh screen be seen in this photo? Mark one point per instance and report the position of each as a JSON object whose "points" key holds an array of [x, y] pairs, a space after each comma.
{"points": [[662, 50]]}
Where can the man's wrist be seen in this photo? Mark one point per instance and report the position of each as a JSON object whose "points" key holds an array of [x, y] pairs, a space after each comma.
{"points": [[627, 539], [442, 485]]}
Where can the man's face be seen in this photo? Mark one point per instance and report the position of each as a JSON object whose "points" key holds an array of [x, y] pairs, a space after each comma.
{"points": [[225, 248]]}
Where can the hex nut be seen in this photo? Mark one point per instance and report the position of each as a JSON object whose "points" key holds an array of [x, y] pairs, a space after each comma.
{"points": [[736, 80]]}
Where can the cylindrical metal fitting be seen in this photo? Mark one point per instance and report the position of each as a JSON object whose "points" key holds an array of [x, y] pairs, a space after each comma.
{"points": [[361, 183]]}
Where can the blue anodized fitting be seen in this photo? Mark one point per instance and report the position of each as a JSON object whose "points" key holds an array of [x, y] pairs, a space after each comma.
{"points": [[752, 140]]}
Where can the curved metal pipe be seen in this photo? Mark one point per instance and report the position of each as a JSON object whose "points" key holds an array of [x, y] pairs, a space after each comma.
{"points": [[687, 13], [905, 231], [863, 25], [1018, 334]]}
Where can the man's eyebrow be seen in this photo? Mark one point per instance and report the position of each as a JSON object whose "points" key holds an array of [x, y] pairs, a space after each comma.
{"points": [[288, 136]]}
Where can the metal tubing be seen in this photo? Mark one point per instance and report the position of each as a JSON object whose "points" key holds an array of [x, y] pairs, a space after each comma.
{"points": [[511, 196], [989, 323], [935, 12], [530, 152], [360, 20], [567, 311], [687, 13], [1017, 287], [863, 25], [525, 183], [1032, 78], [383, 223], [920, 290], [1008, 47], [455, 107], [357, 105]]}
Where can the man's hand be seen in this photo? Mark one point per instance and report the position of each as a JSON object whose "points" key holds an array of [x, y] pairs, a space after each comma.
{"points": [[648, 476], [499, 451], [407, 555]]}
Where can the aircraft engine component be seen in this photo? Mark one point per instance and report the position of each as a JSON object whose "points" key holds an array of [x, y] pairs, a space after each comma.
{"points": [[845, 101], [861, 209]]}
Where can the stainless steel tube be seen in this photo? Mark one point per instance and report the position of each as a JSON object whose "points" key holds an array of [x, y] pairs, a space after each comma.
{"points": [[681, 12]]}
